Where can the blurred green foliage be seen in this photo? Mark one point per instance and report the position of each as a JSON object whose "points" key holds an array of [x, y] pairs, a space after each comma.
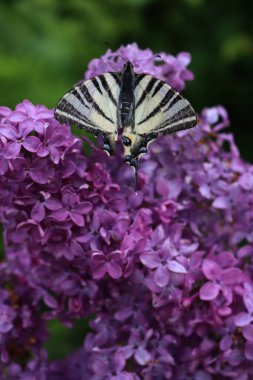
{"points": [[45, 47], [63, 341]]}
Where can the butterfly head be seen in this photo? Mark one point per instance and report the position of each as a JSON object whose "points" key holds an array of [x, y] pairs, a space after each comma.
{"points": [[128, 68]]}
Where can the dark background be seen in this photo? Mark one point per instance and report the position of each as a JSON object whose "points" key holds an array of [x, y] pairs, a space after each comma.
{"points": [[45, 46]]}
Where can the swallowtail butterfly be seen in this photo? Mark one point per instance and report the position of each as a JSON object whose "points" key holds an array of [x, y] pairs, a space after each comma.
{"points": [[128, 106]]}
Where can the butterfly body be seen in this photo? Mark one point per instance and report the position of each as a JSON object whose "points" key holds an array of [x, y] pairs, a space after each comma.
{"points": [[128, 106], [126, 103]]}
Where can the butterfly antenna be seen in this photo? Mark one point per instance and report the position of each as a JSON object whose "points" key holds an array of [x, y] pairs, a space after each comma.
{"points": [[116, 55], [121, 56], [149, 59]]}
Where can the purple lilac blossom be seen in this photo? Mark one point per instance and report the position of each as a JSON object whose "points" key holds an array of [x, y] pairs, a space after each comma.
{"points": [[165, 274], [166, 67]]}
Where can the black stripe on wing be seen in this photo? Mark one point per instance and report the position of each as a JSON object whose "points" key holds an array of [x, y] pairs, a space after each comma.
{"points": [[116, 77], [138, 78], [66, 112], [169, 95], [107, 89], [183, 119], [77, 94], [146, 91], [175, 100], [184, 123], [94, 105], [158, 88], [96, 84]]}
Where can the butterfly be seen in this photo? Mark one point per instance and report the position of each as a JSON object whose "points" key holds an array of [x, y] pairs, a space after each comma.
{"points": [[134, 108]]}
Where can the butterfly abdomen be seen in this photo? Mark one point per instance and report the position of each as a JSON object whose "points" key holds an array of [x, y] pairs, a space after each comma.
{"points": [[126, 103]]}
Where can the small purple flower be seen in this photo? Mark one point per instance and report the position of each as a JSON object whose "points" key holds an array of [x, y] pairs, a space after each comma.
{"points": [[101, 264], [246, 318], [246, 181], [72, 208], [19, 137], [163, 265], [110, 367], [216, 116], [53, 139], [170, 69], [41, 172], [46, 202], [166, 211], [26, 110], [219, 281], [174, 69], [7, 315]]}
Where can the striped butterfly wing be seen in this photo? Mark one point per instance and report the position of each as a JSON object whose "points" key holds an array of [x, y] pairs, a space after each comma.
{"points": [[160, 109], [92, 105]]}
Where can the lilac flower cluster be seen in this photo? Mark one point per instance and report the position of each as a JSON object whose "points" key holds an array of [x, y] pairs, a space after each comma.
{"points": [[165, 275], [166, 67], [22, 330]]}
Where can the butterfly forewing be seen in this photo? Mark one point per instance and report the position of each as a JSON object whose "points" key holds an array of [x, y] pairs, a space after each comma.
{"points": [[92, 105], [160, 109], [145, 103]]}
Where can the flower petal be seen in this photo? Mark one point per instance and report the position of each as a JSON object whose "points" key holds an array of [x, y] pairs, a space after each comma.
{"points": [[99, 271], [242, 319], [25, 127], [60, 214], [246, 181], [161, 276], [45, 114], [12, 150], [83, 207], [150, 260], [53, 204], [174, 266], [231, 276], [9, 131], [211, 269], [42, 151], [38, 212], [209, 291], [221, 203], [16, 116], [142, 356], [114, 270], [77, 219], [31, 143], [54, 155], [248, 333], [58, 139], [5, 111]]}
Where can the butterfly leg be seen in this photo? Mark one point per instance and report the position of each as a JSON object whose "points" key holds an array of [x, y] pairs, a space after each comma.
{"points": [[109, 143]]}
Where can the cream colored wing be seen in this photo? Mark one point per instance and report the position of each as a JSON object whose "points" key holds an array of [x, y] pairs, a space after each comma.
{"points": [[92, 104], [159, 108]]}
